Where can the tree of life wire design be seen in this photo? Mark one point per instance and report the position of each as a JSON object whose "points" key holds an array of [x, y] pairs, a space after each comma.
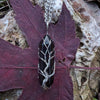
{"points": [[46, 66]]}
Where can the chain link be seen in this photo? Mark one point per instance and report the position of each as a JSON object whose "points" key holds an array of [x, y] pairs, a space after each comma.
{"points": [[48, 5]]}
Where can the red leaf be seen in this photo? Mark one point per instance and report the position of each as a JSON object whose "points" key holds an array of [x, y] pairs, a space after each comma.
{"points": [[31, 21], [28, 81], [11, 55], [18, 68]]}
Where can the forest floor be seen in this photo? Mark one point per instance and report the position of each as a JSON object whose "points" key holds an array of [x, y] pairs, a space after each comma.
{"points": [[86, 14]]}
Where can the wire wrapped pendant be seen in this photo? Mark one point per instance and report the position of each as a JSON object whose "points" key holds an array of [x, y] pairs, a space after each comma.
{"points": [[46, 66]]}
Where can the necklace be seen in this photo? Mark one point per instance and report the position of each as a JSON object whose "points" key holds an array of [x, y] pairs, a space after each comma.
{"points": [[46, 52]]}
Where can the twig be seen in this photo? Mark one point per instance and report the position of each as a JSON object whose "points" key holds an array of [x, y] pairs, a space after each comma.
{"points": [[8, 4], [3, 7]]}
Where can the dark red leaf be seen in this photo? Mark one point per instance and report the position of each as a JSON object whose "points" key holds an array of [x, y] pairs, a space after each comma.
{"points": [[31, 21], [27, 79], [18, 68], [11, 55]]}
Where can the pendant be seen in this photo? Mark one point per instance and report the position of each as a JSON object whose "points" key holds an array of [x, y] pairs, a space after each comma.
{"points": [[46, 66]]}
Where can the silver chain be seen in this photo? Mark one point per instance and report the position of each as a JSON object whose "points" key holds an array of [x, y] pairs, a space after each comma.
{"points": [[48, 5]]}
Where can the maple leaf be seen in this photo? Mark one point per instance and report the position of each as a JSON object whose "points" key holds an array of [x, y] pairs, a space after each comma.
{"points": [[18, 68]]}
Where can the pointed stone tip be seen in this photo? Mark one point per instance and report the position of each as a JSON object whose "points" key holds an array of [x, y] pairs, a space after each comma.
{"points": [[47, 37]]}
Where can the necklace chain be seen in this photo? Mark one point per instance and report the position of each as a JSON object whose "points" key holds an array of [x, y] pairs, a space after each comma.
{"points": [[48, 5]]}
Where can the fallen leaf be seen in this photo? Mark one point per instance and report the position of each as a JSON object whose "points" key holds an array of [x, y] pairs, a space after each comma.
{"points": [[18, 68]]}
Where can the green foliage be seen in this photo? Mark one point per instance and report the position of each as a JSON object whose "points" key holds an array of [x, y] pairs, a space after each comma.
{"points": [[94, 99]]}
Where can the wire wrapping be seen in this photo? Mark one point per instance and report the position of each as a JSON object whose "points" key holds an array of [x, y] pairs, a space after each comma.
{"points": [[46, 66]]}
